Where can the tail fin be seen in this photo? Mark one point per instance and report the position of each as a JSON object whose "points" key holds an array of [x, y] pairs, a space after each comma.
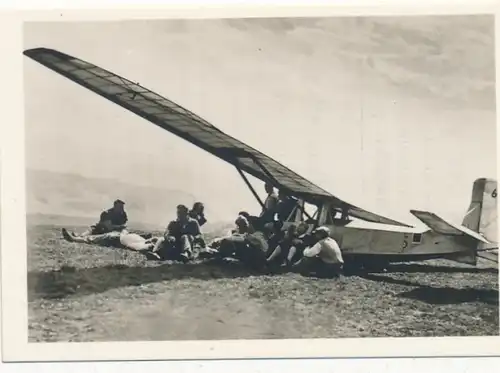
{"points": [[481, 216]]}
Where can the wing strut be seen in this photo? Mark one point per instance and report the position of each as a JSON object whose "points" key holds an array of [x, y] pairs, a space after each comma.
{"points": [[271, 177], [252, 189], [301, 208]]}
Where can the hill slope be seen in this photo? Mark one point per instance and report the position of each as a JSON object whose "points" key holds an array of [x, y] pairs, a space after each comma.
{"points": [[55, 197]]}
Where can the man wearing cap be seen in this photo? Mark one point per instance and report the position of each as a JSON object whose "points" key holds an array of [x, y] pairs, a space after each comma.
{"points": [[111, 220], [324, 257]]}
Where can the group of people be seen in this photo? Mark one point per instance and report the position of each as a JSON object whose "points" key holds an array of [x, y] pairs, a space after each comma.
{"points": [[177, 242], [256, 241]]}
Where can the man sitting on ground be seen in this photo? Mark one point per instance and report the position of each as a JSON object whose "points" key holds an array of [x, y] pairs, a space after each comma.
{"points": [[180, 237], [198, 213], [290, 249], [300, 242], [112, 220], [324, 257], [275, 233], [280, 251]]}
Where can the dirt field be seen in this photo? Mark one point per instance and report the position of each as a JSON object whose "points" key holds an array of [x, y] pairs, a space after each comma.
{"points": [[87, 293]]}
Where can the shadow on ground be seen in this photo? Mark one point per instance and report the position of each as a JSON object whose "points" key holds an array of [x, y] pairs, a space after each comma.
{"points": [[439, 295], [83, 281], [426, 268], [72, 281]]}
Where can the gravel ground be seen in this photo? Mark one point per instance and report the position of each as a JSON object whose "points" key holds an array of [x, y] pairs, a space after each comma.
{"points": [[82, 292]]}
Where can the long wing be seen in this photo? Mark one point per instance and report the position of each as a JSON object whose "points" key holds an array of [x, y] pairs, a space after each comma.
{"points": [[183, 123]]}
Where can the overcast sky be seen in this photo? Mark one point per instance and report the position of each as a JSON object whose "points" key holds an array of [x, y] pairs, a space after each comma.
{"points": [[386, 113]]}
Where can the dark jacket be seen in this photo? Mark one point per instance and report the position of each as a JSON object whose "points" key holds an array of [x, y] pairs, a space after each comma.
{"points": [[115, 217], [109, 216], [177, 229], [200, 218], [285, 207]]}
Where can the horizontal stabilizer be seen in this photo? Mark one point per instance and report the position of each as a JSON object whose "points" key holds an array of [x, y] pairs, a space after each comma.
{"points": [[488, 255], [439, 225], [488, 246]]}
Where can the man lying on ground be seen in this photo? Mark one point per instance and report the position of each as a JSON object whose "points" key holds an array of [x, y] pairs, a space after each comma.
{"points": [[123, 239], [246, 244], [324, 258], [180, 237], [242, 226], [112, 220]]}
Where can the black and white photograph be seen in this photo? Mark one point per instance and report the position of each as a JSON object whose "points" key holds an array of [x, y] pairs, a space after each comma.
{"points": [[273, 178]]}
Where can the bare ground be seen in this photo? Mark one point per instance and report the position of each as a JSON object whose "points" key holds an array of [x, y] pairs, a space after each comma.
{"points": [[87, 293]]}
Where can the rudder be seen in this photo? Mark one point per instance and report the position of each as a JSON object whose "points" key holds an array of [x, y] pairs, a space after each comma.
{"points": [[481, 215]]}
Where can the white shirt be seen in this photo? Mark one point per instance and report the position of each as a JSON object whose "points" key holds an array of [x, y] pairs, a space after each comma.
{"points": [[327, 249], [133, 241]]}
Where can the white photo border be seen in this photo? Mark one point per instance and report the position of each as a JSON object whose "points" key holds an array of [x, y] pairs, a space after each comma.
{"points": [[13, 219]]}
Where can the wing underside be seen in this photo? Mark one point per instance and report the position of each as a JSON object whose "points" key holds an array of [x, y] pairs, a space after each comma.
{"points": [[187, 125]]}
